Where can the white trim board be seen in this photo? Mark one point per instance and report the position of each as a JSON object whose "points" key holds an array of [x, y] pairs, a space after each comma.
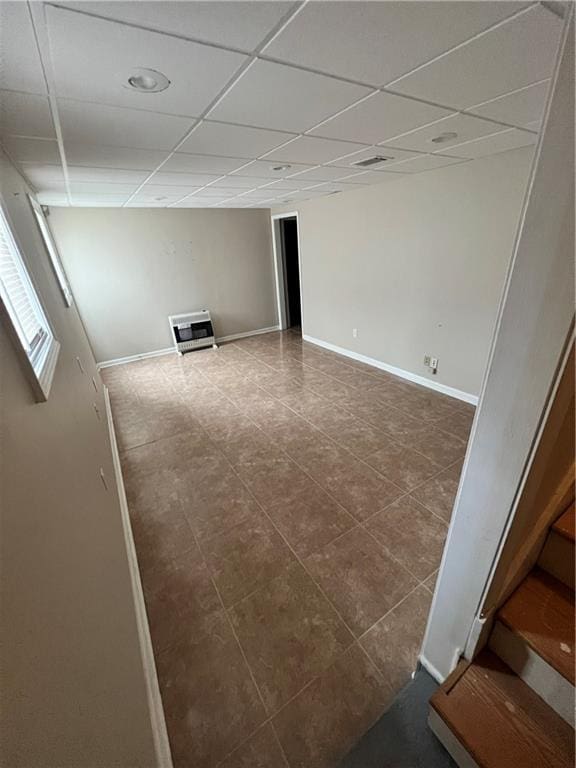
{"points": [[172, 350], [157, 720], [400, 372]]}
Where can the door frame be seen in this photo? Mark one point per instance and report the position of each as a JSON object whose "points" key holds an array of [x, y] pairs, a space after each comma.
{"points": [[279, 267]]}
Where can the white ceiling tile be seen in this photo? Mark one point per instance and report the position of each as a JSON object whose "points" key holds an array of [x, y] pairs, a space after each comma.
{"points": [[274, 96], [25, 115], [182, 179], [314, 151], [380, 117], [258, 194], [285, 185], [240, 182], [427, 163], [93, 59], [220, 192], [236, 24], [214, 138], [56, 199], [101, 188], [492, 145], [271, 169], [97, 200], [324, 173], [515, 54], [109, 175], [371, 177], [116, 126], [42, 176], [394, 156], [94, 156], [464, 126], [21, 69], [520, 108], [375, 42], [182, 162], [32, 150], [160, 190]]}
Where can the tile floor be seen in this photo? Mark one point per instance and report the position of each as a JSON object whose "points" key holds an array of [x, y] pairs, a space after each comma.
{"points": [[289, 508]]}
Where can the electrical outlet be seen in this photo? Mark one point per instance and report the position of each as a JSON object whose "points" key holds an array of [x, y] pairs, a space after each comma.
{"points": [[354, 333], [427, 361], [434, 363]]}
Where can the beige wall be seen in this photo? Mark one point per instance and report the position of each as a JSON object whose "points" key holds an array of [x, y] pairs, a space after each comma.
{"points": [[416, 265], [72, 682], [131, 268]]}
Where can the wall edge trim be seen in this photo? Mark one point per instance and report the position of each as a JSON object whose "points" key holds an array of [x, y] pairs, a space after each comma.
{"points": [[171, 350], [157, 720], [403, 374]]}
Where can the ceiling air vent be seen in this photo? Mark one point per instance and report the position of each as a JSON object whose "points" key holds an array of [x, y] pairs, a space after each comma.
{"points": [[371, 161]]}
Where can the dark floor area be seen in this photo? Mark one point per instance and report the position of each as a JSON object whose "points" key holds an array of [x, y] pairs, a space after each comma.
{"points": [[401, 738]]}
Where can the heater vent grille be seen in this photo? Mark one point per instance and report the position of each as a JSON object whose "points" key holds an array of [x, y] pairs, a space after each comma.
{"points": [[371, 161]]}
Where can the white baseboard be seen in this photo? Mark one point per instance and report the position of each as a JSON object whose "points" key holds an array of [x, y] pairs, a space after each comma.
{"points": [[431, 669], [171, 350], [445, 389], [158, 723], [245, 335]]}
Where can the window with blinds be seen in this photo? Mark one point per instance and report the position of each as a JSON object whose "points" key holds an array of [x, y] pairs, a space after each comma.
{"points": [[52, 250], [23, 306]]}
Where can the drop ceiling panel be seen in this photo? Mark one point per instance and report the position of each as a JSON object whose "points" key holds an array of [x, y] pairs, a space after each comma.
{"points": [[380, 117], [323, 173], [465, 128], [96, 156], [375, 42], [115, 126], [161, 196], [265, 168], [521, 108], [218, 192], [394, 156], [285, 185], [101, 188], [202, 163], [103, 54], [492, 145], [21, 69], [314, 151], [371, 177], [52, 198], [214, 138], [25, 115], [257, 194], [274, 96], [99, 201], [32, 150], [240, 182], [427, 163], [515, 54], [170, 190], [110, 175], [236, 24], [43, 176], [182, 179]]}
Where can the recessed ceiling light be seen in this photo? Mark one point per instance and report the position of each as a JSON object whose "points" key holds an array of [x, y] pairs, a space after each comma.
{"points": [[147, 81], [443, 137], [281, 167]]}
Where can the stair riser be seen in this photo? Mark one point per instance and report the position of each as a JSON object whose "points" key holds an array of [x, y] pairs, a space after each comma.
{"points": [[450, 742], [544, 680], [557, 558]]}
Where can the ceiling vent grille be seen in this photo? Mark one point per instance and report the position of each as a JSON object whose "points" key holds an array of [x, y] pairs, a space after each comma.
{"points": [[371, 161]]}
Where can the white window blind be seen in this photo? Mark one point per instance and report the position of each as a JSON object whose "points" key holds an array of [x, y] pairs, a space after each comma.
{"points": [[21, 302], [52, 251]]}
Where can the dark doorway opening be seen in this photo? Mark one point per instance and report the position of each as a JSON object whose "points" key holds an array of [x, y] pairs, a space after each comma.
{"points": [[290, 262]]}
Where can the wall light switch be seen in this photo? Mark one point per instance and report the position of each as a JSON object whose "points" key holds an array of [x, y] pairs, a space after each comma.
{"points": [[354, 333]]}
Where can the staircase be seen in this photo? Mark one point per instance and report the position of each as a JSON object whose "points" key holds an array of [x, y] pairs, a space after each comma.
{"points": [[513, 706]]}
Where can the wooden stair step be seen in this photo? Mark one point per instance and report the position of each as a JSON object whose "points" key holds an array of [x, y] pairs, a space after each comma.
{"points": [[541, 611], [500, 721], [566, 523]]}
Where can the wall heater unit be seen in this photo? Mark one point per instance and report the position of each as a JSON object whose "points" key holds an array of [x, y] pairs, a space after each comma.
{"points": [[192, 330]]}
